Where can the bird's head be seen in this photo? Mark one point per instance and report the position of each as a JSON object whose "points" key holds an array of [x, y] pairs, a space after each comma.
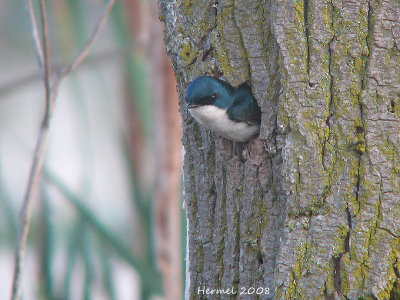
{"points": [[205, 90]]}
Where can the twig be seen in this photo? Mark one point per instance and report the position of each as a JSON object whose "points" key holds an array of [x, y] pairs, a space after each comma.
{"points": [[13, 84], [38, 157], [35, 33], [86, 48], [46, 63], [26, 212], [42, 51]]}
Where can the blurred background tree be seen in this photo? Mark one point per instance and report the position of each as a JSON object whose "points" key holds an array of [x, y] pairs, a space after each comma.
{"points": [[106, 222]]}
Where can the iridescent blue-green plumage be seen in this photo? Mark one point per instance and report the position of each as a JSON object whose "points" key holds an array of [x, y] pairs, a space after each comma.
{"points": [[229, 111], [245, 107]]}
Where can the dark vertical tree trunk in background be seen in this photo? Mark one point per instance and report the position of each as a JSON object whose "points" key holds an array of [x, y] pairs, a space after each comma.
{"points": [[148, 32], [168, 160], [312, 209]]}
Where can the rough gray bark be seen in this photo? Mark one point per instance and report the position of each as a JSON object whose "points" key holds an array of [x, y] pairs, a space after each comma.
{"points": [[311, 210]]}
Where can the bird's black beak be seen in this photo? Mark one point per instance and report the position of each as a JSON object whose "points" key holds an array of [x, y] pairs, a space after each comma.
{"points": [[191, 105]]}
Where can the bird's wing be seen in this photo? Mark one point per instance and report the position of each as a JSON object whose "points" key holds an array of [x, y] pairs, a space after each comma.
{"points": [[244, 107]]}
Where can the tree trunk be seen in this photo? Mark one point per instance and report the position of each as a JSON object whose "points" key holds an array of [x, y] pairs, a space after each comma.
{"points": [[311, 209]]}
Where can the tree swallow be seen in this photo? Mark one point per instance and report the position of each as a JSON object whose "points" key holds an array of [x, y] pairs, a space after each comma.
{"points": [[229, 111]]}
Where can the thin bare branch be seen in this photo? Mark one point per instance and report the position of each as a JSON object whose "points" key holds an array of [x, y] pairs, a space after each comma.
{"points": [[31, 76], [46, 62], [38, 157], [35, 33], [26, 212], [43, 54], [87, 47]]}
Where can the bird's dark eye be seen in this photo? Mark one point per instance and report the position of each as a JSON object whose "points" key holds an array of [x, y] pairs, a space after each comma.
{"points": [[208, 100]]}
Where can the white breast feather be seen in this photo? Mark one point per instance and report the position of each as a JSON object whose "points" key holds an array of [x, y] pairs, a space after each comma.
{"points": [[217, 120]]}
